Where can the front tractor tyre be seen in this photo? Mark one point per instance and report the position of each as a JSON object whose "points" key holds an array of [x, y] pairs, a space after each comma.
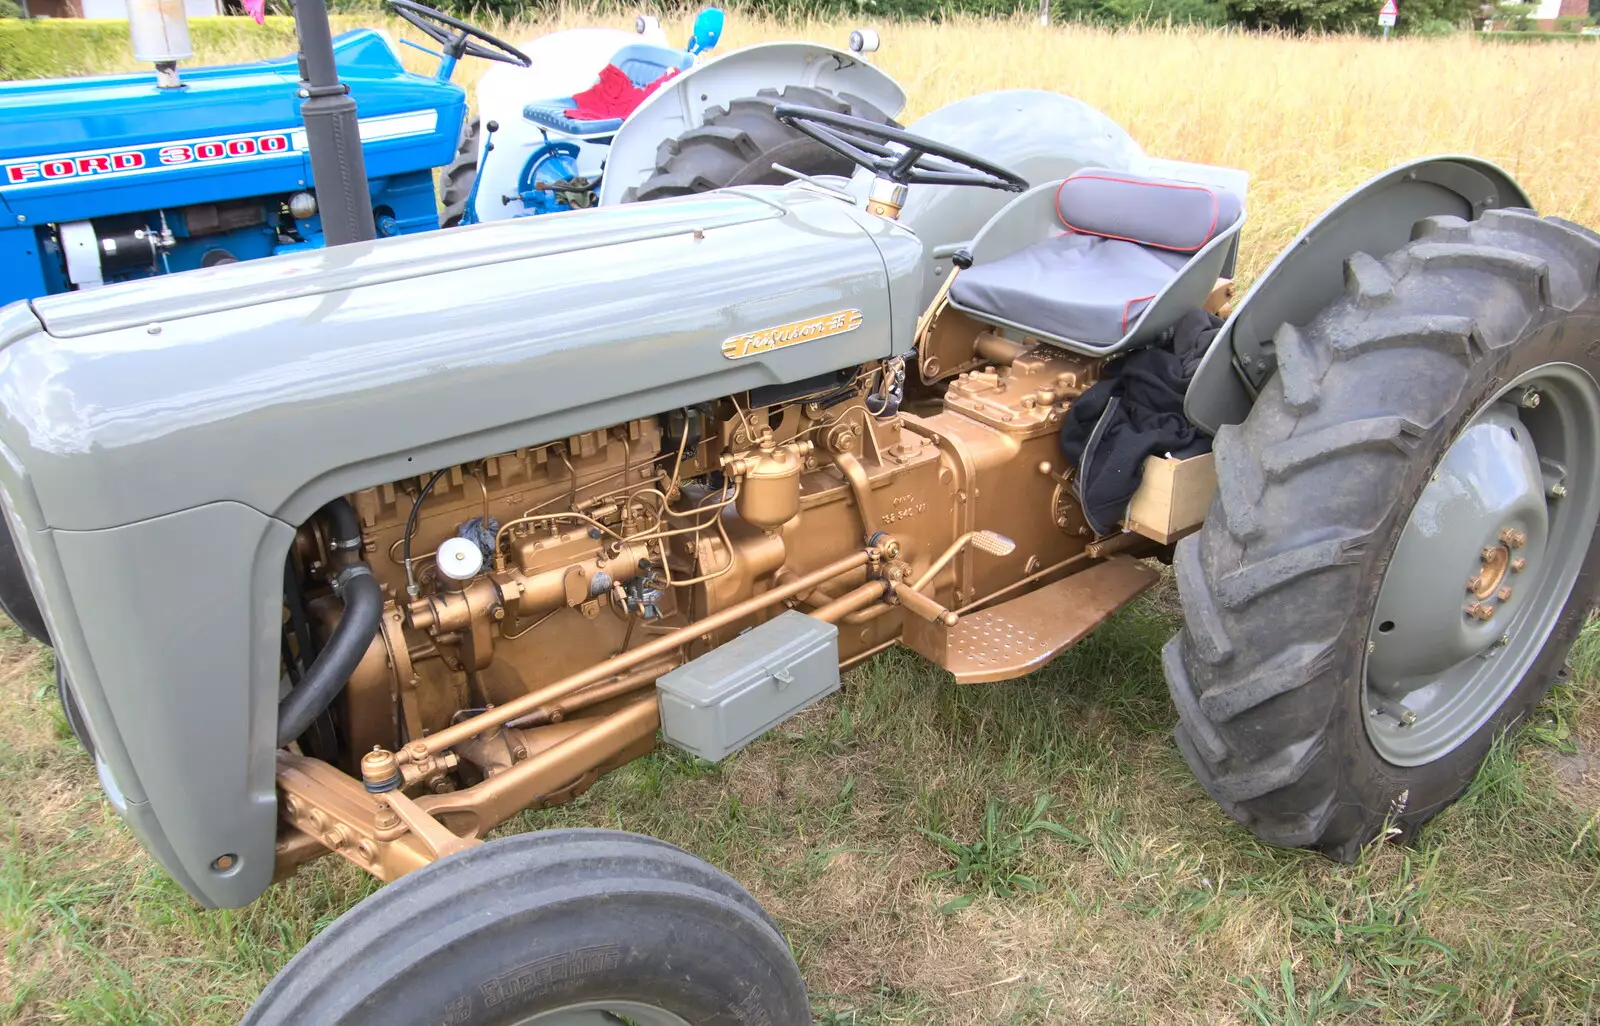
{"points": [[738, 144], [1401, 550], [558, 928]]}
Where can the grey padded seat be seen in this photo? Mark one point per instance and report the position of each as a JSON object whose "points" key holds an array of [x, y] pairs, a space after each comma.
{"points": [[1124, 238]]}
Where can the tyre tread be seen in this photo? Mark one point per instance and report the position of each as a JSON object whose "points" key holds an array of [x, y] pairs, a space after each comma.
{"points": [[1256, 672]]}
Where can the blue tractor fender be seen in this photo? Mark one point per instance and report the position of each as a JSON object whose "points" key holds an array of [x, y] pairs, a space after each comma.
{"points": [[681, 104], [1375, 218]]}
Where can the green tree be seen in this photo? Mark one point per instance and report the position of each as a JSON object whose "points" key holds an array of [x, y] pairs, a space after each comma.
{"points": [[1303, 15], [1346, 15]]}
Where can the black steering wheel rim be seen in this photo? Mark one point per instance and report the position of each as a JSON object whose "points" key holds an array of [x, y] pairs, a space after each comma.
{"points": [[455, 35], [868, 144]]}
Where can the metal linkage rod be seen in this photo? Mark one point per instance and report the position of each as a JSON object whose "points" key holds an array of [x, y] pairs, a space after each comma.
{"points": [[439, 742]]}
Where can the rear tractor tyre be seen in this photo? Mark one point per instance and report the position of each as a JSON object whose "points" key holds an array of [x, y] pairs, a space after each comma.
{"points": [[558, 928], [1402, 546], [455, 185], [738, 146]]}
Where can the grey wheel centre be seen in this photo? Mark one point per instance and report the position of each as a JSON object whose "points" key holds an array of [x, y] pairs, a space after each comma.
{"points": [[1484, 565], [605, 1013]]}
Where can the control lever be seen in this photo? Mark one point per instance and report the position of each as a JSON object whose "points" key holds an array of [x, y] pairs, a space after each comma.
{"points": [[992, 542]]}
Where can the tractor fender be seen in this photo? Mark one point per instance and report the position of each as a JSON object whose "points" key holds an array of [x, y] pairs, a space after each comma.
{"points": [[1039, 135], [681, 104], [1375, 218]]}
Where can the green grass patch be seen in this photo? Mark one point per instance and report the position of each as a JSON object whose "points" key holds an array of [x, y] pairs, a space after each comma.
{"points": [[1031, 852], [66, 47]]}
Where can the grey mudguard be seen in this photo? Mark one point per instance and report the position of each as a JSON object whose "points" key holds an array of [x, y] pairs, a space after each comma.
{"points": [[159, 440], [1376, 219]]}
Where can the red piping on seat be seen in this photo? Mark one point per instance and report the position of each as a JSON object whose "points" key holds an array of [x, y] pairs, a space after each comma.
{"points": [[1216, 211], [1129, 303]]}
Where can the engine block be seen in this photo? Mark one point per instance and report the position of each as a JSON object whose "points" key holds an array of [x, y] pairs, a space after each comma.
{"points": [[530, 566]]}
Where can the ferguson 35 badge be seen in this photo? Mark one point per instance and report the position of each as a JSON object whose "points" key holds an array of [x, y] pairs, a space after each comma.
{"points": [[768, 339]]}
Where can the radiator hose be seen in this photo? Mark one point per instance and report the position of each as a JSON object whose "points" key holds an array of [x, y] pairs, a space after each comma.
{"points": [[363, 605]]}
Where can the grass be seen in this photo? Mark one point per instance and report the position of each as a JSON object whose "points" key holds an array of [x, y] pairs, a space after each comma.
{"points": [[1021, 853]]}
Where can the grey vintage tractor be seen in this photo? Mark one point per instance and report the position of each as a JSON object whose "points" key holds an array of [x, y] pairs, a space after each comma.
{"points": [[363, 550]]}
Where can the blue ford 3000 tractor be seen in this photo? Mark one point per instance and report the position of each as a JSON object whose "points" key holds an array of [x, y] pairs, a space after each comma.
{"points": [[114, 178]]}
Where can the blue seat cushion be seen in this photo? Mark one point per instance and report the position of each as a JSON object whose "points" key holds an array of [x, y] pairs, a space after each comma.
{"points": [[552, 114]]}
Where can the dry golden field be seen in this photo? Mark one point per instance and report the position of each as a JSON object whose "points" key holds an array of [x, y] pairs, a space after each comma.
{"points": [[1152, 907], [1309, 118]]}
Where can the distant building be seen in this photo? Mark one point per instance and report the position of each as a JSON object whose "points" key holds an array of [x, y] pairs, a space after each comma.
{"points": [[1550, 10], [106, 8], [1492, 19]]}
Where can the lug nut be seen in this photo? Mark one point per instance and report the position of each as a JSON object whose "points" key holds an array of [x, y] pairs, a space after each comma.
{"points": [[1488, 553], [1558, 491], [1504, 594], [1518, 565], [1480, 611], [1529, 400], [1512, 538]]}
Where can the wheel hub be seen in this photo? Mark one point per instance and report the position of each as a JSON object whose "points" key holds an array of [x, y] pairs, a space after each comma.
{"points": [[1496, 562], [1483, 566], [1487, 492]]}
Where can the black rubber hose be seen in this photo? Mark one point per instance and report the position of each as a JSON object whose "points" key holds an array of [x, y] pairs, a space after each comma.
{"points": [[363, 606], [346, 527], [411, 526]]}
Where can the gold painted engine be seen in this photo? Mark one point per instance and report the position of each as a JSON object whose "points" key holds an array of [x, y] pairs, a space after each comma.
{"points": [[532, 598]]}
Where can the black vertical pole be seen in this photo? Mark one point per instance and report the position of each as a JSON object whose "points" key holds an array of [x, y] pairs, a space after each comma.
{"points": [[338, 167]]}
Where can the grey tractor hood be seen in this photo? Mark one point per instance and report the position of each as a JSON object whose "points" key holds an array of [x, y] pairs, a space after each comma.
{"points": [[283, 382]]}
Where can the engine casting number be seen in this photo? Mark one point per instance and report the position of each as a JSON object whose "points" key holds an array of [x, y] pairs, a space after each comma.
{"points": [[904, 508]]}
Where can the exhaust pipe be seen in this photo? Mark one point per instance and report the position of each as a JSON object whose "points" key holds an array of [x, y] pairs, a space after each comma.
{"points": [[159, 31], [338, 167]]}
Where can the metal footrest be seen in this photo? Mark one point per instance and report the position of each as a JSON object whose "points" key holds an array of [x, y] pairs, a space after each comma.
{"points": [[1017, 637]]}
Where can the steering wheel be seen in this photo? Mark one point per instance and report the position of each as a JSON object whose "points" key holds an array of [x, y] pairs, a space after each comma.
{"points": [[895, 154], [456, 36]]}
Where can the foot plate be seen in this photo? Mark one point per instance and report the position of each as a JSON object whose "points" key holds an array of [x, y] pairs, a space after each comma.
{"points": [[1017, 637]]}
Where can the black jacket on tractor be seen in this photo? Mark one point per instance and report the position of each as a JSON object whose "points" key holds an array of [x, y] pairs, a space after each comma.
{"points": [[1135, 411]]}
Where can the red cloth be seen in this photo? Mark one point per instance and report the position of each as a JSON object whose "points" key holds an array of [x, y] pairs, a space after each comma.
{"points": [[614, 96]]}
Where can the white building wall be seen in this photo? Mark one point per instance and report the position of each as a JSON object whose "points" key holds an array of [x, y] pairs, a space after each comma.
{"points": [[194, 8]]}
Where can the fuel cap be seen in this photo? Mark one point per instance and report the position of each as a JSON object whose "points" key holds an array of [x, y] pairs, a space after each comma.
{"points": [[459, 559]]}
